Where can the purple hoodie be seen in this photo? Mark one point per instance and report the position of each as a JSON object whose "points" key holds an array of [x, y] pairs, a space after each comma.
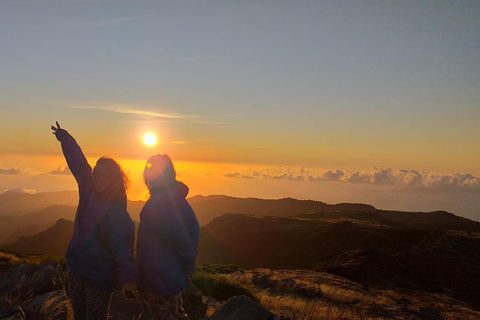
{"points": [[167, 241], [101, 250]]}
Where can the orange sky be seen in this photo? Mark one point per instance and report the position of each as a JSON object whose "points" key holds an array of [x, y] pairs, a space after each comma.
{"points": [[333, 101]]}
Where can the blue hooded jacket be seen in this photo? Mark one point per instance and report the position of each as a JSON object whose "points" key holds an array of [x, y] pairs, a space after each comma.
{"points": [[167, 241], [102, 247]]}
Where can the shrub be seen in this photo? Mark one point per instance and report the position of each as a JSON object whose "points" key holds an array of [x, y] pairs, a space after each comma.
{"points": [[220, 287]]}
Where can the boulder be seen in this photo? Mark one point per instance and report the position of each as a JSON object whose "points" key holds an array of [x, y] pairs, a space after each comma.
{"points": [[193, 302], [241, 308], [52, 305], [12, 313], [10, 279], [47, 277], [28, 280]]}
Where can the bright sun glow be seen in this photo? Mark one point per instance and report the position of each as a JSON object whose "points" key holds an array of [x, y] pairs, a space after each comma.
{"points": [[149, 139]]}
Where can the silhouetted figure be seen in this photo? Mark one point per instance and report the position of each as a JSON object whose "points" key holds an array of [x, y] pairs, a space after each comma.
{"points": [[167, 240], [100, 254]]}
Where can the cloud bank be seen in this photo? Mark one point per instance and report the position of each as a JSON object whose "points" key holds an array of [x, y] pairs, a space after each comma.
{"points": [[59, 170], [11, 171], [404, 178]]}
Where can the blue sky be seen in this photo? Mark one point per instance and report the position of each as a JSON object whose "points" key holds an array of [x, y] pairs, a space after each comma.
{"points": [[337, 85]]}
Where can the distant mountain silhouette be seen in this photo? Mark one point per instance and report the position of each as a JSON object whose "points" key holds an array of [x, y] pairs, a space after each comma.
{"points": [[18, 203], [10, 225], [209, 207], [27, 232], [431, 220], [53, 241]]}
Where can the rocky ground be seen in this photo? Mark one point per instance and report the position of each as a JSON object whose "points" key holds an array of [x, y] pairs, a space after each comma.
{"points": [[304, 294], [39, 292]]}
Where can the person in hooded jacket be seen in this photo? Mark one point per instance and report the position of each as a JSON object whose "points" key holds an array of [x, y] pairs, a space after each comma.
{"points": [[167, 240], [100, 254]]}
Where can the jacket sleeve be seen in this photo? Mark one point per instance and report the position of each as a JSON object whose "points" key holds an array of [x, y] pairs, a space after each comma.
{"points": [[76, 161], [121, 237], [165, 219]]}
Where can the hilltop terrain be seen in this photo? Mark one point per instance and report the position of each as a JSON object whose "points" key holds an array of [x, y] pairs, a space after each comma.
{"points": [[412, 253]]}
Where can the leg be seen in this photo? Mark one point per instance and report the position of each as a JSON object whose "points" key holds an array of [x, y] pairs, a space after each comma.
{"points": [[166, 307], [76, 294], [180, 313], [97, 303]]}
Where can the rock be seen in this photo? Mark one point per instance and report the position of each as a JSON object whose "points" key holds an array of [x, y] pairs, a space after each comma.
{"points": [[52, 305], [10, 279], [12, 313], [193, 302], [241, 308], [26, 281], [212, 304], [121, 308], [46, 278], [4, 304], [190, 288], [429, 313]]}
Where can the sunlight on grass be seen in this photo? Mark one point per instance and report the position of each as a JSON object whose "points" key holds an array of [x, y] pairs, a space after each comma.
{"points": [[220, 287], [316, 309]]}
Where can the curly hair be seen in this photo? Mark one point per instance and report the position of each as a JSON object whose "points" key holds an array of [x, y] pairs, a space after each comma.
{"points": [[117, 188]]}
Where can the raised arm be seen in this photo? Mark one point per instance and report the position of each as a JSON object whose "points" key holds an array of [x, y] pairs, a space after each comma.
{"points": [[77, 163]]}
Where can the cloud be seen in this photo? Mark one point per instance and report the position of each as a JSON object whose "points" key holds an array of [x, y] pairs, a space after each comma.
{"points": [[454, 181], [59, 170], [238, 175], [126, 109], [404, 178], [11, 171], [330, 175], [129, 110]]}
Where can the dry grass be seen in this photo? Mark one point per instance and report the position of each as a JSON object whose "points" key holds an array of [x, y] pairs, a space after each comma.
{"points": [[315, 309], [55, 309], [18, 297], [283, 292]]}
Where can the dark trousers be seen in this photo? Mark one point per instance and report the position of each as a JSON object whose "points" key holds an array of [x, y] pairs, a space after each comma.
{"points": [[88, 302]]}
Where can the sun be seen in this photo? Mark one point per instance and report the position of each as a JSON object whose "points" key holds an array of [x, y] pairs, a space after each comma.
{"points": [[149, 139]]}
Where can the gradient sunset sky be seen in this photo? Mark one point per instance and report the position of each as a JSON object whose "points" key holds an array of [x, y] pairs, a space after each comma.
{"points": [[338, 101]]}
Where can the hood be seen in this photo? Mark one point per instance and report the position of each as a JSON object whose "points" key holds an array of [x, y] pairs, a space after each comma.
{"points": [[181, 189]]}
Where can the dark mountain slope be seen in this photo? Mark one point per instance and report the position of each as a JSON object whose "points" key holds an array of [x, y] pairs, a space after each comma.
{"points": [[10, 225], [431, 220], [256, 241], [27, 232], [210, 207], [53, 241]]}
